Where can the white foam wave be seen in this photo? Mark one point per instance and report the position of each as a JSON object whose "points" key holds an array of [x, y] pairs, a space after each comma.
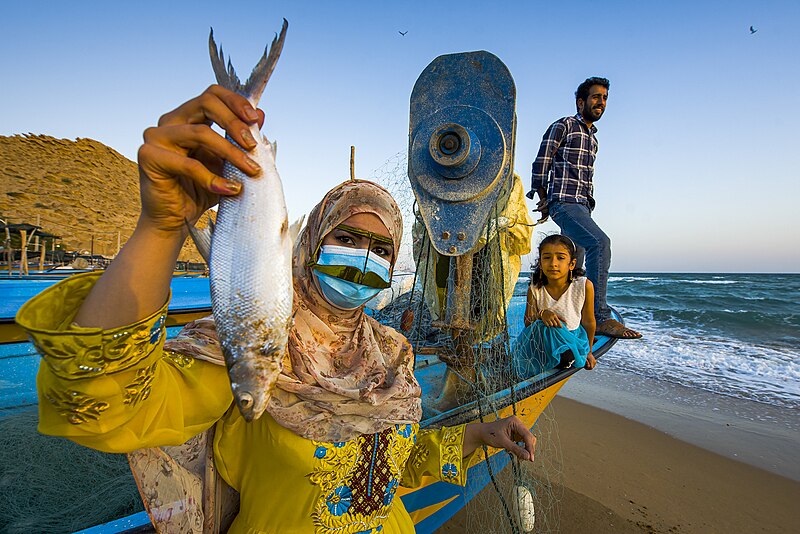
{"points": [[706, 282], [722, 365]]}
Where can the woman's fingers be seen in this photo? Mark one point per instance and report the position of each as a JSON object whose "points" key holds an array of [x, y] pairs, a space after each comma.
{"points": [[520, 431], [506, 434], [186, 138], [160, 164], [231, 111]]}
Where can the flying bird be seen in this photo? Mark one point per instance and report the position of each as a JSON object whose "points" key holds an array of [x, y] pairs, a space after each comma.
{"points": [[752, 30], [402, 33]]}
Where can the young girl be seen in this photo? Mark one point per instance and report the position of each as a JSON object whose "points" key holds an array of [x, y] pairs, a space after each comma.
{"points": [[559, 315]]}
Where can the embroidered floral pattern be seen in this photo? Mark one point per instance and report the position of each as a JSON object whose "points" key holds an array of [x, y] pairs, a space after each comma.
{"points": [[139, 389], [80, 355], [76, 406], [449, 471], [358, 480], [339, 501], [179, 360], [157, 330], [420, 454], [388, 495], [419, 457]]}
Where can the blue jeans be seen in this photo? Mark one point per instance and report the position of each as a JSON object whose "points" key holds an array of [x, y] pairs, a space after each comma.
{"points": [[575, 221]]}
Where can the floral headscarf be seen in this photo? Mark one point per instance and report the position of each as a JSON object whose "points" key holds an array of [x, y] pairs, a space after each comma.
{"points": [[344, 374]]}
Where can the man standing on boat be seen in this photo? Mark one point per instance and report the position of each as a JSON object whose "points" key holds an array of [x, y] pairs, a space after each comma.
{"points": [[562, 177]]}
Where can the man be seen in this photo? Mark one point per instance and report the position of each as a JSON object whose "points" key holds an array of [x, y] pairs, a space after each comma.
{"points": [[562, 177]]}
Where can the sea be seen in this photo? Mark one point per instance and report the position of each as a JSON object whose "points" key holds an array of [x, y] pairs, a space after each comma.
{"points": [[735, 335]]}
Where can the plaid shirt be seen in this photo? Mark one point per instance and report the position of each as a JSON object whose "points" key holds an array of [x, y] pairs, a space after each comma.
{"points": [[565, 163]]}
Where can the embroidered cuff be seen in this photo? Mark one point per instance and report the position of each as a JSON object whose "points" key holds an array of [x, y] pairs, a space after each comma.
{"points": [[452, 467], [73, 352]]}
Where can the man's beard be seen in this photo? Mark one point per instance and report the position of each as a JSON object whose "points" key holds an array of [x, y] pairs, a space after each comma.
{"points": [[592, 114]]}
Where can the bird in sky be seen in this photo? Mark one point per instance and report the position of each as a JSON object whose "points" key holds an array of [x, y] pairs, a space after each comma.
{"points": [[405, 32], [752, 30]]}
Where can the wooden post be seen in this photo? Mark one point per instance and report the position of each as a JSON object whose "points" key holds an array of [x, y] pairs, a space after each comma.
{"points": [[9, 252], [23, 261], [41, 259]]}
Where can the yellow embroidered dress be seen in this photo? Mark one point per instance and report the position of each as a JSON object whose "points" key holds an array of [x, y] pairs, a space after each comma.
{"points": [[118, 390]]}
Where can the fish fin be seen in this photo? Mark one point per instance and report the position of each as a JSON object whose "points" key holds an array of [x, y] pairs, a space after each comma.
{"points": [[202, 238], [294, 229], [255, 84]]}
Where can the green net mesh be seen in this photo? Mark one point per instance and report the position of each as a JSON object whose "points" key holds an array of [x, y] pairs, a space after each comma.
{"points": [[477, 360], [52, 485]]}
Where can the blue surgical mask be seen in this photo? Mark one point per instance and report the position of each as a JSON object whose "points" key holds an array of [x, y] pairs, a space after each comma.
{"points": [[343, 293]]}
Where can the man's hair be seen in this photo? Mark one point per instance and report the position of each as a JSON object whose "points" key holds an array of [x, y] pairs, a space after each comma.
{"points": [[583, 89]]}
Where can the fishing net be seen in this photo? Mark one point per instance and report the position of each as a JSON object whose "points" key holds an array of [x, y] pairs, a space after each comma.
{"points": [[85, 489], [466, 372]]}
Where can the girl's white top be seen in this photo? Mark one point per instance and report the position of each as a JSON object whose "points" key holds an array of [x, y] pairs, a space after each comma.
{"points": [[568, 307]]}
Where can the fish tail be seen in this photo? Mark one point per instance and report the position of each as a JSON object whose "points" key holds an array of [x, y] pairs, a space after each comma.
{"points": [[255, 84]]}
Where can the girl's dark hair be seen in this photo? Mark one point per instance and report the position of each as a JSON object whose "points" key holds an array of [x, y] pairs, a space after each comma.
{"points": [[538, 277]]}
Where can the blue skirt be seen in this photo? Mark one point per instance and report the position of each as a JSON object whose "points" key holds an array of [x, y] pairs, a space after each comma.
{"points": [[539, 348]]}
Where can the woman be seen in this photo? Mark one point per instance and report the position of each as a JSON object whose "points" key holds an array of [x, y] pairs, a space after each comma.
{"points": [[340, 432]]}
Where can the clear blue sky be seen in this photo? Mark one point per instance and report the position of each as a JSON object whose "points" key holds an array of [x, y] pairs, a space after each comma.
{"points": [[698, 161]]}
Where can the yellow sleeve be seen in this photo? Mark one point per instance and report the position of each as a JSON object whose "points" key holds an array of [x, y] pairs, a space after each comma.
{"points": [[438, 454], [116, 390]]}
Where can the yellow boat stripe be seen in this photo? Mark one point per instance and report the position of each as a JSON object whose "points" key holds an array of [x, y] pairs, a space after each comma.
{"points": [[423, 513]]}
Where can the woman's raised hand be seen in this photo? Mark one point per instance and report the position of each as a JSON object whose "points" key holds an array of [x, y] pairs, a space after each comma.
{"points": [[180, 162]]}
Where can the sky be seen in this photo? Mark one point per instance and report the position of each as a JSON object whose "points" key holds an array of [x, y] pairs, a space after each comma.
{"points": [[697, 166]]}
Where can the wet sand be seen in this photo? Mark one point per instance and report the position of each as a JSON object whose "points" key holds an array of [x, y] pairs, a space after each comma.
{"points": [[616, 475]]}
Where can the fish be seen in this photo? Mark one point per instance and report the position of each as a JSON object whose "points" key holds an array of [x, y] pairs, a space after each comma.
{"points": [[250, 257]]}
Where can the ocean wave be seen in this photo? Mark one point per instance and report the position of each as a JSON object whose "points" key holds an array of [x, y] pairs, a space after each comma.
{"points": [[714, 363], [734, 335], [709, 282]]}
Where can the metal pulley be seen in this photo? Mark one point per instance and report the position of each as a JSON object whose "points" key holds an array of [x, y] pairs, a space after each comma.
{"points": [[461, 146]]}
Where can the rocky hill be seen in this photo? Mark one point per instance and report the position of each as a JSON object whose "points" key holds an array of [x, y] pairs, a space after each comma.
{"points": [[75, 189]]}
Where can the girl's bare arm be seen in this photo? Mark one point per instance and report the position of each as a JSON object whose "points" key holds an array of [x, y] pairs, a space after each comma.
{"points": [[588, 321], [531, 311]]}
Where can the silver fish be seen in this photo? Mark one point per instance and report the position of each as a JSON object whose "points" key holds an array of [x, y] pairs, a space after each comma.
{"points": [[251, 255]]}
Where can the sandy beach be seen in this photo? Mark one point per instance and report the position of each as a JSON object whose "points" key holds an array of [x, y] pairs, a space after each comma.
{"points": [[618, 475]]}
